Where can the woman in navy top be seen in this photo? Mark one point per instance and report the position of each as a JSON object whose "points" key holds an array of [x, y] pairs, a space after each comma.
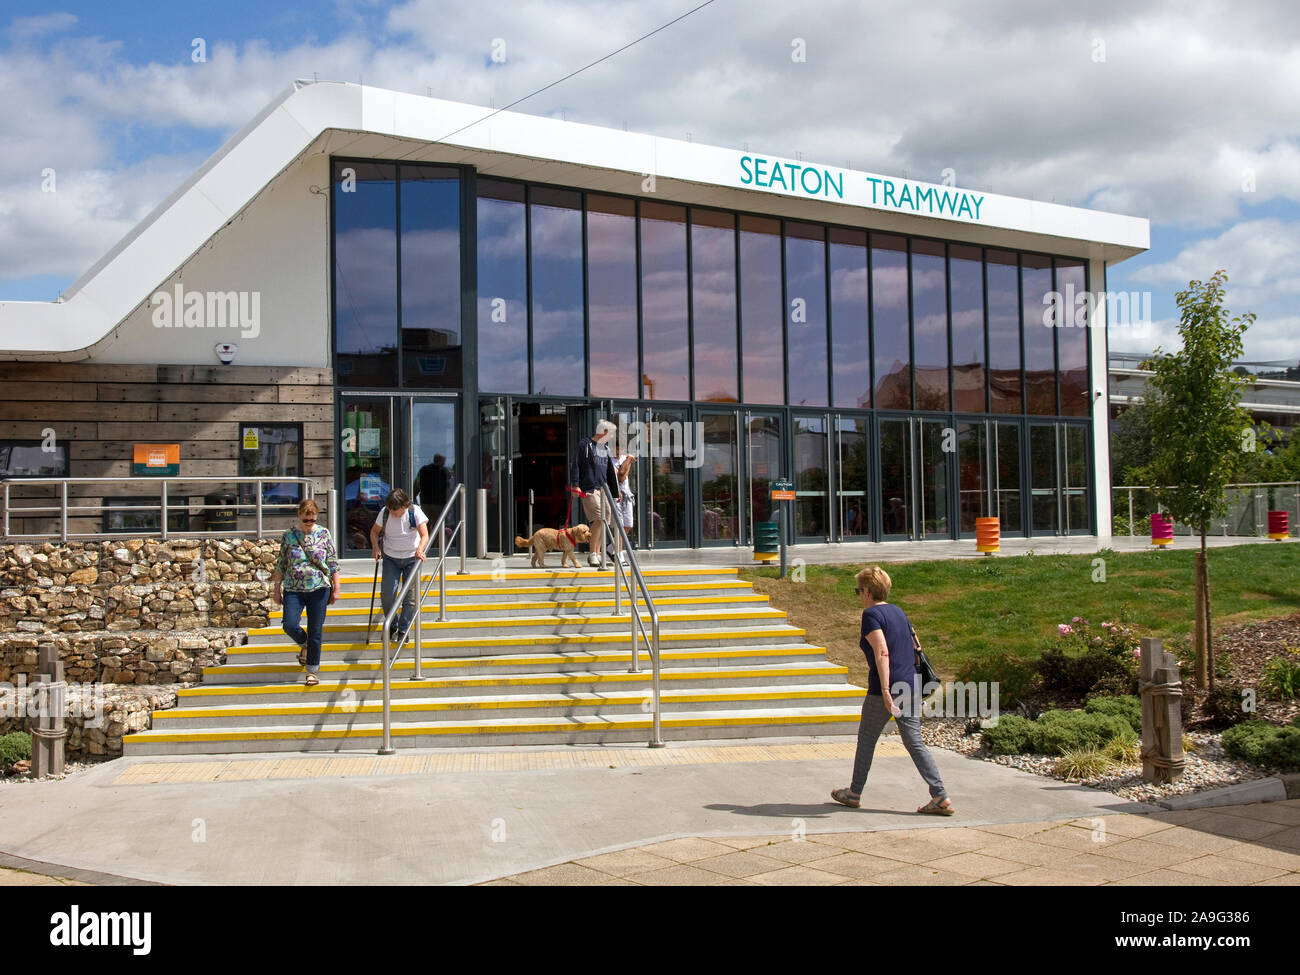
{"points": [[892, 691]]}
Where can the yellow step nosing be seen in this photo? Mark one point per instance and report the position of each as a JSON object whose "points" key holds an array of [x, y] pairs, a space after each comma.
{"points": [[739, 614], [545, 604], [490, 703], [573, 725], [513, 680]]}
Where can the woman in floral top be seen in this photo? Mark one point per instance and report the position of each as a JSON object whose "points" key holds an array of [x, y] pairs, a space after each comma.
{"points": [[309, 566]]}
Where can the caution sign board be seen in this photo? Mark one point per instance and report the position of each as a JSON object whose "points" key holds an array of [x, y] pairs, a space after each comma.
{"points": [[782, 490]]}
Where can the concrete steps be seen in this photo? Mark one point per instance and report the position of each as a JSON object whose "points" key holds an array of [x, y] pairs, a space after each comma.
{"points": [[527, 657]]}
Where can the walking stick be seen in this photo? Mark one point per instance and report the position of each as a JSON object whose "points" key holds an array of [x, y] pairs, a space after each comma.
{"points": [[370, 620]]}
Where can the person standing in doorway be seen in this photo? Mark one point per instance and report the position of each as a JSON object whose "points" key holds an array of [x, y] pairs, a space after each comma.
{"points": [[591, 467], [433, 485], [892, 691], [399, 536]]}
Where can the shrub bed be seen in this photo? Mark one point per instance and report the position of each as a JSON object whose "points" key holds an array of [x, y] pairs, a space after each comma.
{"points": [[1056, 732], [1261, 743]]}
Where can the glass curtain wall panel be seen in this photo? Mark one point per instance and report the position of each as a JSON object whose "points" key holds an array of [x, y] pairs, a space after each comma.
{"points": [[555, 230], [805, 298], [365, 273], [930, 325], [430, 223], [761, 311], [1072, 340], [664, 339], [850, 339], [367, 465], [892, 344], [966, 283], [502, 288], [713, 306], [811, 477], [1002, 275], [1040, 338], [611, 296]]}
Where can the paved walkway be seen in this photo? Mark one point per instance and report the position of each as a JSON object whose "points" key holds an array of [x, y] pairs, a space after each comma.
{"points": [[720, 811], [1255, 845]]}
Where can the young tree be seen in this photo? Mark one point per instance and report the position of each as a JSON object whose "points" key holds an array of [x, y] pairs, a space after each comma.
{"points": [[1201, 432]]}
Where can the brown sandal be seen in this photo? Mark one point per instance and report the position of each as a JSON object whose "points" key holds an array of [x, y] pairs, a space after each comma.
{"points": [[934, 807], [311, 680], [845, 798]]}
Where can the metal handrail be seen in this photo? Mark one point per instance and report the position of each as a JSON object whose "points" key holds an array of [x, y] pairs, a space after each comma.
{"points": [[62, 509], [1229, 489], [621, 577], [439, 571]]}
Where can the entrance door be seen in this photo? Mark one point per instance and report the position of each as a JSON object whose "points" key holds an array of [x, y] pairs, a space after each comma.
{"points": [[764, 463], [670, 438], [852, 479], [812, 468], [916, 478], [720, 500], [498, 448], [369, 459]]}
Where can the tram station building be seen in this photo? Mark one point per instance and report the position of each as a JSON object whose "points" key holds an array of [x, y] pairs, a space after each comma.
{"points": [[363, 282]]}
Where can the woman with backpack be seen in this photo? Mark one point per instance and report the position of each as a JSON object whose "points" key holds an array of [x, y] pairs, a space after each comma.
{"points": [[308, 565], [399, 536]]}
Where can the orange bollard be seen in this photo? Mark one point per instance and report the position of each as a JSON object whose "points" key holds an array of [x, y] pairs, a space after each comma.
{"points": [[988, 535]]}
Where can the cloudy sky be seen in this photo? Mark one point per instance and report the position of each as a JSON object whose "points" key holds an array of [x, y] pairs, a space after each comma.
{"points": [[1184, 112]]}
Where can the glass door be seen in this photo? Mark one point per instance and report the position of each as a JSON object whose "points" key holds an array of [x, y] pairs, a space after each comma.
{"points": [[1006, 478], [720, 479], [434, 456], [812, 466], [368, 466], [1074, 440], [669, 438], [972, 474], [853, 479], [498, 440], [896, 483], [763, 464], [934, 454], [1044, 482]]}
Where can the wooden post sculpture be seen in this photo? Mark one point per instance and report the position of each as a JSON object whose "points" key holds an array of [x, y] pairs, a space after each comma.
{"points": [[1162, 715], [47, 728]]}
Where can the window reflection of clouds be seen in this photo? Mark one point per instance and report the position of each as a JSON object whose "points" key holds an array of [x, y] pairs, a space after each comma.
{"points": [[1072, 344], [1040, 354], [805, 272], [966, 283], [761, 311], [930, 325], [1004, 331], [889, 313], [850, 346], [713, 294], [664, 301], [558, 352], [611, 296], [502, 345]]}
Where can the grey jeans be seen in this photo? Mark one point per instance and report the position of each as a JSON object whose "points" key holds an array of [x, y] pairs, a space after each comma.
{"points": [[874, 719]]}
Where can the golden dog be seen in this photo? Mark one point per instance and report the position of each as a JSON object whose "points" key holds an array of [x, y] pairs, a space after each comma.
{"points": [[549, 539]]}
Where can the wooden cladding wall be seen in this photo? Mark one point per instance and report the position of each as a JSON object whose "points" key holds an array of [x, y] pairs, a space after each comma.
{"points": [[101, 411]]}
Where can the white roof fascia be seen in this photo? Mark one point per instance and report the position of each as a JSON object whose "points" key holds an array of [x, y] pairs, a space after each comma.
{"points": [[251, 158]]}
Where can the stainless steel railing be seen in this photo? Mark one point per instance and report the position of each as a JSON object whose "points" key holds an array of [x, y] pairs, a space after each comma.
{"points": [[169, 503], [440, 573], [625, 575], [1247, 514]]}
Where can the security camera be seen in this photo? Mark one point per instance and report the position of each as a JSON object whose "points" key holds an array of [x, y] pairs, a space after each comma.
{"points": [[226, 352]]}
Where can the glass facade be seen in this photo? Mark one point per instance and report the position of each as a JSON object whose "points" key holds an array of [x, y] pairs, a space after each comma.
{"points": [[906, 385]]}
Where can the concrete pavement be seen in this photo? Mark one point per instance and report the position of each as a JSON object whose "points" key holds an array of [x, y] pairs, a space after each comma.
{"points": [[452, 816]]}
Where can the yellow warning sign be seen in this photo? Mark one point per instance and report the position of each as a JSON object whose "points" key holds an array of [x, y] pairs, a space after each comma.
{"points": [[250, 439]]}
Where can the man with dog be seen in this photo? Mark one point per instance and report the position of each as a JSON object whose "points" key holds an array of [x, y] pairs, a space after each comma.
{"points": [[592, 466]]}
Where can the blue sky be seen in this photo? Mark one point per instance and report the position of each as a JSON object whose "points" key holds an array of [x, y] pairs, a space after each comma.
{"points": [[1188, 105]]}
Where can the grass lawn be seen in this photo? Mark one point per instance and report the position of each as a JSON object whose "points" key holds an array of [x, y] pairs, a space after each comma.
{"points": [[964, 609]]}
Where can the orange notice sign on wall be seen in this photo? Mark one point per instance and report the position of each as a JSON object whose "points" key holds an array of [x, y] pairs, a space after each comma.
{"points": [[156, 460]]}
